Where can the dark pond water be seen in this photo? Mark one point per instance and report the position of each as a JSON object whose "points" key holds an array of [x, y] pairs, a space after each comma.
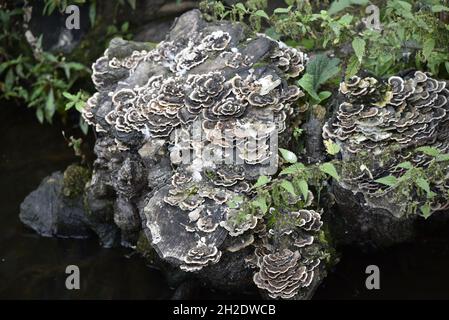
{"points": [[32, 267]]}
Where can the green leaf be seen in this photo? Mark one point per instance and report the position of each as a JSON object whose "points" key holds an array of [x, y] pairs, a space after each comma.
{"points": [[329, 168], [387, 180], [76, 66], [439, 8], [125, 26], [36, 92], [261, 203], [50, 107], [261, 181], [425, 209], [294, 168], [428, 47], [92, 13], [261, 13], [240, 6], [79, 106], [234, 202], [346, 19], [287, 185], [282, 10], [132, 3], [9, 80], [304, 187], [442, 157], [69, 96], [297, 132], [405, 165], [424, 184], [288, 156], [322, 68], [19, 70], [339, 5], [69, 105], [83, 126], [66, 69], [323, 95], [50, 57], [306, 82], [353, 67], [307, 43], [331, 147], [23, 93], [430, 151], [4, 65], [401, 8], [358, 44], [49, 7], [40, 115]]}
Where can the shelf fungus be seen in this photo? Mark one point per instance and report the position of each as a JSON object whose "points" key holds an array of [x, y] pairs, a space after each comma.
{"points": [[288, 255], [405, 111], [379, 124], [236, 223], [200, 256], [193, 122], [282, 275]]}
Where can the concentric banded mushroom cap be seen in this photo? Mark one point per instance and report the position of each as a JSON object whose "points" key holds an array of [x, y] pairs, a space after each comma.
{"points": [[281, 274]]}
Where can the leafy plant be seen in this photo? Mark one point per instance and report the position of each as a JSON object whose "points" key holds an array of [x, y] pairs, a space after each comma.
{"points": [[123, 31], [331, 147], [77, 102], [412, 35], [36, 78], [418, 184], [51, 5], [340, 5], [288, 156], [44, 80], [319, 70], [330, 169], [40, 82], [76, 145], [408, 40]]}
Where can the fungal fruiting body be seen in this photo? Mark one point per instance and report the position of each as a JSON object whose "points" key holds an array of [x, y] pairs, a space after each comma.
{"points": [[209, 102], [387, 120]]}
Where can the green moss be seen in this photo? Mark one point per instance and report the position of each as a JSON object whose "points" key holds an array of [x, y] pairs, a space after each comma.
{"points": [[211, 175], [261, 64], [330, 254], [319, 112], [74, 181], [143, 247]]}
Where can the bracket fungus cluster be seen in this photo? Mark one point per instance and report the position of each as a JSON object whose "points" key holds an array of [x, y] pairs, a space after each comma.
{"points": [[188, 125], [287, 256], [281, 274], [387, 120]]}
